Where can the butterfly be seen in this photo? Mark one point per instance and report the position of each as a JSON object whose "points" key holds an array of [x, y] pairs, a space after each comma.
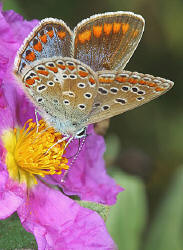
{"points": [[76, 78]]}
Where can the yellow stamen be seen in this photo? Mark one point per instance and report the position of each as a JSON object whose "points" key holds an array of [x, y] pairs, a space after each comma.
{"points": [[28, 154]]}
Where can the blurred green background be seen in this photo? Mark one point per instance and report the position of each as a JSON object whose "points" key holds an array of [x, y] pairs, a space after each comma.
{"points": [[146, 155]]}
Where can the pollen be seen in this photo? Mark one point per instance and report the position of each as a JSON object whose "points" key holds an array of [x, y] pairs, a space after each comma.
{"points": [[29, 152]]}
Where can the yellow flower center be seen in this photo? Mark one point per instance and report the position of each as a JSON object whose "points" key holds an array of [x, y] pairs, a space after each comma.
{"points": [[30, 152]]}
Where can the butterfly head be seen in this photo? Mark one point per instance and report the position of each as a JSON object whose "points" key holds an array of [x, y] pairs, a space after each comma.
{"points": [[67, 127]]}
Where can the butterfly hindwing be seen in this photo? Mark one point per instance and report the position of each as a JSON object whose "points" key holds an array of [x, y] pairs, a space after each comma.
{"points": [[119, 92], [51, 37], [107, 41], [62, 87]]}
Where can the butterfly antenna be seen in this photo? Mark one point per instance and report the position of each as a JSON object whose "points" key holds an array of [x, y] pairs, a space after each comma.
{"points": [[81, 144]]}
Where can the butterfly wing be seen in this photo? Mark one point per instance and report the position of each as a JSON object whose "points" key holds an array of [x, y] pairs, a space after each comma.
{"points": [[119, 92], [107, 41], [63, 89], [51, 37]]}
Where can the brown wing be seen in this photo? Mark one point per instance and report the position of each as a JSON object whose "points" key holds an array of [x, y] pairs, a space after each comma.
{"points": [[64, 88], [120, 92], [107, 41], [51, 37]]}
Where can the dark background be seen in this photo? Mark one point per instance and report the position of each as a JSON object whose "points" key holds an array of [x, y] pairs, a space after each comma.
{"points": [[150, 137]]}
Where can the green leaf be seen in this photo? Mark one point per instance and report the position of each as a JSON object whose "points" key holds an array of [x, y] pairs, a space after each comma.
{"points": [[13, 235], [12, 4], [102, 210], [166, 230], [112, 149], [127, 218]]}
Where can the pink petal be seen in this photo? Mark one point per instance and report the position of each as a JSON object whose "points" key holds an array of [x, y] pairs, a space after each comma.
{"points": [[9, 201], [87, 177], [58, 221]]}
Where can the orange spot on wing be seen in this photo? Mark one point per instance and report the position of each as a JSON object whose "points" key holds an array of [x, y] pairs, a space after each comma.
{"points": [[107, 28], [61, 34], [159, 89], [132, 80], [91, 80], [61, 66], [43, 72], [36, 78], [31, 56], [43, 38], [121, 79], [71, 67], [152, 84], [84, 36], [38, 46], [97, 31], [54, 69], [83, 73], [50, 33], [30, 81], [135, 33], [105, 80], [116, 27], [125, 27], [142, 82]]}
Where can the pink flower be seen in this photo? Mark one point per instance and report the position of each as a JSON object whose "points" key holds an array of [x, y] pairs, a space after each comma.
{"points": [[53, 218]]}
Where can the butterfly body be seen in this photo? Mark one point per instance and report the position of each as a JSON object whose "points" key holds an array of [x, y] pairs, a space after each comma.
{"points": [[77, 78]]}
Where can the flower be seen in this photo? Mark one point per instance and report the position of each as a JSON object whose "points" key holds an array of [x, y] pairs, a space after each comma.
{"points": [[30, 152], [51, 216], [87, 177], [93, 183]]}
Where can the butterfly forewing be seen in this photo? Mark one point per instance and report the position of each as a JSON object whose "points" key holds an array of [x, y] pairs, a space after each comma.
{"points": [[119, 92], [107, 41], [52, 37]]}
